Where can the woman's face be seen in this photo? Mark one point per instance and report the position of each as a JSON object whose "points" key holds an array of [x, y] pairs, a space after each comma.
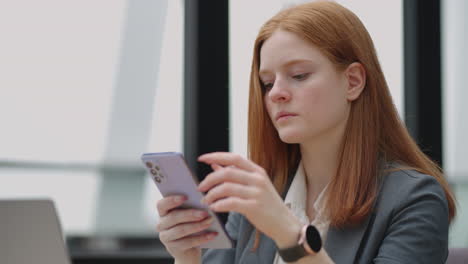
{"points": [[305, 96]]}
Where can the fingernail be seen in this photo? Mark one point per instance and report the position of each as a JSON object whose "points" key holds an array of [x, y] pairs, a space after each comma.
{"points": [[211, 235], [179, 199], [208, 221]]}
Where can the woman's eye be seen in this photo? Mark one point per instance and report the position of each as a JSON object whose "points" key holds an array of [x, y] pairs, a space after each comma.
{"points": [[267, 86], [300, 77]]}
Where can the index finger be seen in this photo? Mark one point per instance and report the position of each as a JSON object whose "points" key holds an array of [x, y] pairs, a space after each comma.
{"points": [[230, 159], [168, 203]]}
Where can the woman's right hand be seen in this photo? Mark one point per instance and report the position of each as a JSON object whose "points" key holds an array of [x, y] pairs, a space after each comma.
{"points": [[177, 226]]}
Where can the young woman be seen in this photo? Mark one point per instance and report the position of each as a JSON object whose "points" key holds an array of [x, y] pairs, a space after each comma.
{"points": [[333, 175]]}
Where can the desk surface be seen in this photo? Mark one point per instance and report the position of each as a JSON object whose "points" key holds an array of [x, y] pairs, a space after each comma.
{"points": [[117, 250]]}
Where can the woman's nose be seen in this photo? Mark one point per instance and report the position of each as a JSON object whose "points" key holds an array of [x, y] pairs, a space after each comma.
{"points": [[279, 92]]}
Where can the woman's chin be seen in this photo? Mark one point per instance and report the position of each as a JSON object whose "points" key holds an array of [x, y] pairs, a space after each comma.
{"points": [[290, 138]]}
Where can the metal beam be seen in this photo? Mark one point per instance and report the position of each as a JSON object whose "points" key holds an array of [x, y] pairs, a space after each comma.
{"points": [[422, 67], [206, 82], [206, 99]]}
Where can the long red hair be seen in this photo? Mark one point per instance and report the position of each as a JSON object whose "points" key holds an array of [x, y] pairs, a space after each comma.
{"points": [[373, 131]]}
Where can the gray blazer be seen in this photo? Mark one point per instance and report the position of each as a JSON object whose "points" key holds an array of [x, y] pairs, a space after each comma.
{"points": [[409, 224]]}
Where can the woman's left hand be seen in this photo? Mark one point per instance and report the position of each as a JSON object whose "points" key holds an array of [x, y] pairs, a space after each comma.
{"points": [[238, 184]]}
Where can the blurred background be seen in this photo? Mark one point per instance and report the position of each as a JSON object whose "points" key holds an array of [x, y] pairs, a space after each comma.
{"points": [[87, 86]]}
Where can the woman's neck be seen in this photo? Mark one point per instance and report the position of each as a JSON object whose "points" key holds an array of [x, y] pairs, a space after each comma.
{"points": [[320, 159]]}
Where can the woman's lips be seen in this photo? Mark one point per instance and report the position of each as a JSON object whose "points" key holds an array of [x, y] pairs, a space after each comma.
{"points": [[284, 115]]}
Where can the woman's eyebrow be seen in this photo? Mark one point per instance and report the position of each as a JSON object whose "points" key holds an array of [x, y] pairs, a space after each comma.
{"points": [[286, 64], [295, 61]]}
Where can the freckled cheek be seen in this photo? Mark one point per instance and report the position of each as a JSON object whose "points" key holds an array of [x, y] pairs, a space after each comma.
{"points": [[314, 98], [320, 104], [267, 107]]}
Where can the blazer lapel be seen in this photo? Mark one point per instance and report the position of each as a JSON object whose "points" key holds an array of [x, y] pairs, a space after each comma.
{"points": [[265, 253], [342, 245]]}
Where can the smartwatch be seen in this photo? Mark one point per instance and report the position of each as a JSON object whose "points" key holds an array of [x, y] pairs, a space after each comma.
{"points": [[309, 243]]}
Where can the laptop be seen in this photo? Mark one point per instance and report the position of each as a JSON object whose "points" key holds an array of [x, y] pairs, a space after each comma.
{"points": [[30, 232]]}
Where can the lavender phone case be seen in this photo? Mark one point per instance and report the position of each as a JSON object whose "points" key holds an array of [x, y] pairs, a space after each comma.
{"points": [[172, 176]]}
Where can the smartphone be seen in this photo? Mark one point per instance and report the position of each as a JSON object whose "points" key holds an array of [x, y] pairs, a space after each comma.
{"points": [[172, 176]]}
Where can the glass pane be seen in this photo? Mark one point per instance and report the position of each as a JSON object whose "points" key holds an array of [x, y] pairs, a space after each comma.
{"points": [[70, 76], [74, 193], [58, 61], [455, 110]]}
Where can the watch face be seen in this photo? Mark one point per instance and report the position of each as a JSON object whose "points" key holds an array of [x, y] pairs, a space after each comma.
{"points": [[313, 238]]}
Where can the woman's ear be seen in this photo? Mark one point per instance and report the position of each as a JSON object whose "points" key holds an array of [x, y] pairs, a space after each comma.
{"points": [[356, 76]]}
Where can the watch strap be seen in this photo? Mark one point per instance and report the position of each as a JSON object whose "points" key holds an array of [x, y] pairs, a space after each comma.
{"points": [[292, 254], [309, 243]]}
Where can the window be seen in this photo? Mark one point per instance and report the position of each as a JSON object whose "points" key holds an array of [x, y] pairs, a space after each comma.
{"points": [[86, 88], [454, 40]]}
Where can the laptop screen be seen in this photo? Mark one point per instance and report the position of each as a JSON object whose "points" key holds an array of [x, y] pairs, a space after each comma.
{"points": [[30, 232]]}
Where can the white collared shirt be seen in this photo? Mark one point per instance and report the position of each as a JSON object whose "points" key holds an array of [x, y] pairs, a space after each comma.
{"points": [[296, 201]]}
